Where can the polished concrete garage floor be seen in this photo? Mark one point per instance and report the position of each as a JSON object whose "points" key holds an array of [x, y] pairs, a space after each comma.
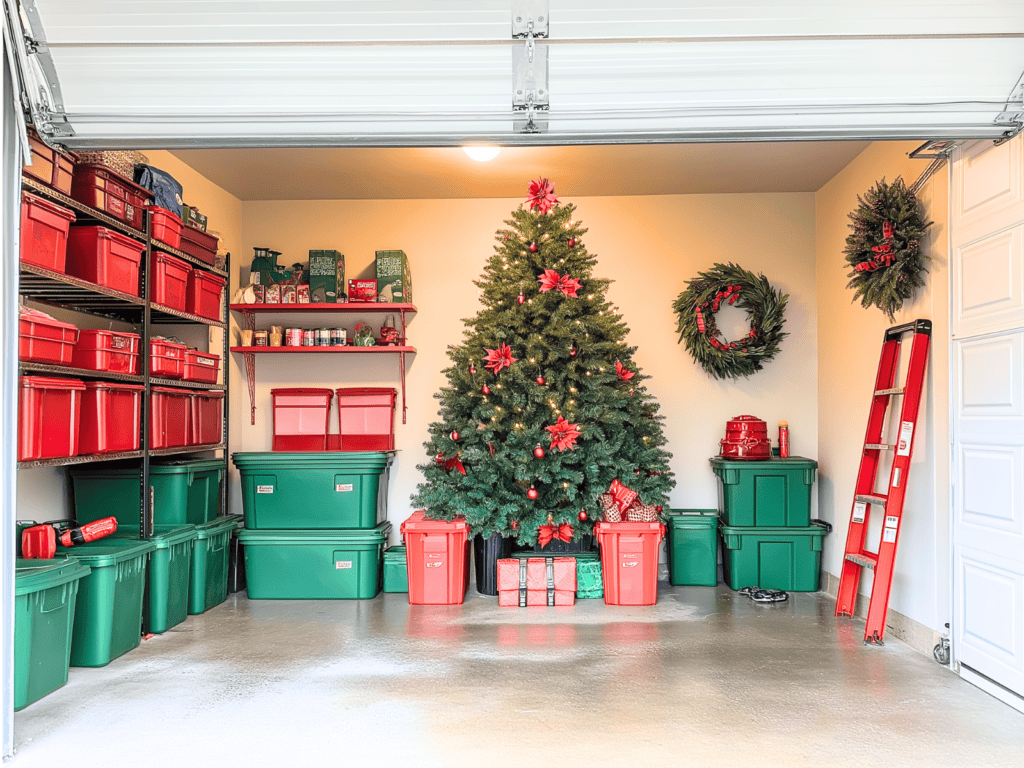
{"points": [[705, 678]]}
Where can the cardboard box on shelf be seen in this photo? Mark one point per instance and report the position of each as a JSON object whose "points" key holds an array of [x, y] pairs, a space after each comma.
{"points": [[394, 278], [362, 290], [193, 218], [326, 277]]}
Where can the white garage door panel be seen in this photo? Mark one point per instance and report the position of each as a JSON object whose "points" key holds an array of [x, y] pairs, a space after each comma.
{"points": [[990, 485], [991, 617], [991, 283], [991, 381]]}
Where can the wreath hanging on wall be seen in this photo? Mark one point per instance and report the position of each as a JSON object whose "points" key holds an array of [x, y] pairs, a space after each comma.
{"points": [[703, 297], [883, 250]]}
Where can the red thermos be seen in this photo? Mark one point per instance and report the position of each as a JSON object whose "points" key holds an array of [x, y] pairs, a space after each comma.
{"points": [[783, 439]]}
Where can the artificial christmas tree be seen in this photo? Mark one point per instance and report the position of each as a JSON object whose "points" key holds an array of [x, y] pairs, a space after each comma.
{"points": [[544, 407]]}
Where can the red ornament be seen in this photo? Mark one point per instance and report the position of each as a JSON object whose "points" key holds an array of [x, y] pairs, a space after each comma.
{"points": [[658, 509], [582, 516], [440, 458], [521, 299], [541, 380], [533, 247], [542, 195], [563, 434], [499, 358], [538, 452], [572, 242], [573, 351], [532, 494], [485, 389], [472, 370], [515, 525], [455, 435]]}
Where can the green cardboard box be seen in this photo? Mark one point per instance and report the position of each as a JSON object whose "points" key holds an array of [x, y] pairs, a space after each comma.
{"points": [[589, 583], [193, 218], [326, 277], [394, 279]]}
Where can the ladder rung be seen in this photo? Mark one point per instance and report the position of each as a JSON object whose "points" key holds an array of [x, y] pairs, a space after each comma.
{"points": [[877, 447], [893, 391], [864, 559], [871, 499]]}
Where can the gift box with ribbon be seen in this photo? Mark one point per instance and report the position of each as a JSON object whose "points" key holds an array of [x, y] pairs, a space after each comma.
{"points": [[536, 581]]}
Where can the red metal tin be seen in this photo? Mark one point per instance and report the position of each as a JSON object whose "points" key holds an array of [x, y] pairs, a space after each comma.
{"points": [[746, 437]]}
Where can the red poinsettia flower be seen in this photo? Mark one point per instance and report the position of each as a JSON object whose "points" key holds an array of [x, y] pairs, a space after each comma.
{"points": [[622, 373], [542, 195], [569, 286], [499, 358], [563, 434], [550, 280]]}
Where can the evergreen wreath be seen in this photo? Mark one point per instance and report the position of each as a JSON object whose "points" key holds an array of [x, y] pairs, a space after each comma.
{"points": [[696, 307], [883, 250]]}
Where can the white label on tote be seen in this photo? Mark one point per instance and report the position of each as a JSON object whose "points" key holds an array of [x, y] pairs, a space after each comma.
{"points": [[343, 487], [264, 489], [206, 361], [342, 565]]}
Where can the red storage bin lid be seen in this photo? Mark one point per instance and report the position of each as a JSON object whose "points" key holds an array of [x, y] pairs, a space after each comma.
{"points": [[29, 198], [158, 211], [631, 528], [171, 261], [360, 396], [171, 345], [419, 523], [214, 394], [300, 392], [105, 334], [201, 274], [41, 318], [194, 354], [46, 382], [114, 385], [172, 391]]}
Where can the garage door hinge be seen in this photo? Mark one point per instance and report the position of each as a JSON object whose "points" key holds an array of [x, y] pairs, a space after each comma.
{"points": [[530, 93], [530, 18], [1012, 115]]}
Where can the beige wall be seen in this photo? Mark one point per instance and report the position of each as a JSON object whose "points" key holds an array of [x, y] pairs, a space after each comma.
{"points": [[649, 245], [849, 343]]}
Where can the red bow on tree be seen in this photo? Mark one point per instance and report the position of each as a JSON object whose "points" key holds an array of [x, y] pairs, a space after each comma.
{"points": [[551, 280], [542, 195], [563, 434], [622, 373], [547, 533], [453, 463], [499, 358]]}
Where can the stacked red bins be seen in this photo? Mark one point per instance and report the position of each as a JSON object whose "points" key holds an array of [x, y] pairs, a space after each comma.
{"points": [[102, 188], [366, 419], [201, 367], [205, 294], [170, 417], [169, 284], [49, 415], [42, 339], [301, 417], [197, 243], [207, 418], [44, 232], [105, 257], [437, 560], [110, 351], [52, 167], [629, 561], [167, 359], [165, 226], [110, 417]]}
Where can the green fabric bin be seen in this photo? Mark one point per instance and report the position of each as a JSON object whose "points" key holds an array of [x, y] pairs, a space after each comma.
{"points": [[314, 491], [771, 493], [208, 579], [314, 565], [170, 565], [693, 547], [396, 572], [45, 592], [184, 492], [772, 558], [108, 614]]}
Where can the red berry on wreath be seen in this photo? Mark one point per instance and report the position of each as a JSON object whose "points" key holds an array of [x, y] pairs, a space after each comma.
{"points": [[485, 389], [541, 380], [582, 516], [532, 494], [521, 299], [455, 435], [538, 452], [533, 247], [572, 242], [515, 525]]}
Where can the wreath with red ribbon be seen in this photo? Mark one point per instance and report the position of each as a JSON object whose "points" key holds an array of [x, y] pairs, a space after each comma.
{"points": [[696, 307]]}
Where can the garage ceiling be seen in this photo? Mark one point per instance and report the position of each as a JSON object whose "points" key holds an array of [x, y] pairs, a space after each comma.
{"points": [[430, 72]]}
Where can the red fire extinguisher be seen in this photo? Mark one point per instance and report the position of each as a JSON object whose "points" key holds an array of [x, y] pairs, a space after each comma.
{"points": [[40, 541]]}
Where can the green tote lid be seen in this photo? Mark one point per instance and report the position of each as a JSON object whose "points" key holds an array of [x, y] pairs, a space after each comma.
{"points": [[792, 462], [216, 526], [170, 468], [108, 551], [164, 536], [342, 538], [692, 518], [37, 575], [341, 460]]}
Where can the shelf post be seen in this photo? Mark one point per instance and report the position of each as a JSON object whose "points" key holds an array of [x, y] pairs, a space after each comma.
{"points": [[250, 367]]}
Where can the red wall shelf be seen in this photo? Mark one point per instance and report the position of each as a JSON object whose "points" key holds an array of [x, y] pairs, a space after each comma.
{"points": [[318, 350], [353, 306]]}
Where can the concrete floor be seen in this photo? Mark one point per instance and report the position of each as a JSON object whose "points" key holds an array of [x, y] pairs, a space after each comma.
{"points": [[705, 678]]}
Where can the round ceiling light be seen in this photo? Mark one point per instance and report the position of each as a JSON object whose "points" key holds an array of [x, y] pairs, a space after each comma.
{"points": [[482, 154]]}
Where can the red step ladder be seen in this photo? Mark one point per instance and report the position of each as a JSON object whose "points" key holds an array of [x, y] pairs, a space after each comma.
{"points": [[857, 557]]}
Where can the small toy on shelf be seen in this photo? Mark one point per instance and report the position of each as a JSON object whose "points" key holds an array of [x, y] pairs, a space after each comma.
{"points": [[363, 336]]}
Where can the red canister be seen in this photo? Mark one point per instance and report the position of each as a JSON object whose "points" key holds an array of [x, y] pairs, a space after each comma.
{"points": [[746, 437]]}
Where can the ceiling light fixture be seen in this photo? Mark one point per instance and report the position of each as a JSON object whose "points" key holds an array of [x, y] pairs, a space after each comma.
{"points": [[482, 154]]}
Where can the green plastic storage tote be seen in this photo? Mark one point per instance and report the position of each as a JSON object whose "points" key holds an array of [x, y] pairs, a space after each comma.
{"points": [[208, 580], [313, 491], [108, 614], [396, 575], [772, 558], [45, 592], [693, 547], [314, 565], [772, 493], [170, 565], [184, 492]]}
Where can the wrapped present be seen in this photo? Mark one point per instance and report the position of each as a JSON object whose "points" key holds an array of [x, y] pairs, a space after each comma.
{"points": [[589, 583], [536, 581]]}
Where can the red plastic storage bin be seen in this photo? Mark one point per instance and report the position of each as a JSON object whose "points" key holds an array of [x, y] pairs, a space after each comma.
{"points": [[437, 560], [49, 412], [165, 226], [201, 366], [52, 167], [110, 351], [105, 257], [44, 232], [205, 294], [110, 417], [301, 417], [170, 417], [207, 418], [102, 188], [167, 359], [366, 419], [42, 339], [629, 561], [169, 285], [197, 243]]}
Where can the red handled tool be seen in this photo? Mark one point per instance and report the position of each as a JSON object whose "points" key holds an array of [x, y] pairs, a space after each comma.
{"points": [[40, 541]]}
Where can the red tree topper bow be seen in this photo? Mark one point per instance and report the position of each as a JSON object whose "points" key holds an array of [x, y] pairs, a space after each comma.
{"points": [[622, 373], [542, 195], [551, 280], [883, 253], [546, 533], [563, 434], [499, 358]]}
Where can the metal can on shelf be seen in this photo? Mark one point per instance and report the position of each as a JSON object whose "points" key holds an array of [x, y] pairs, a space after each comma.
{"points": [[259, 338], [339, 337], [323, 337], [309, 338], [293, 337]]}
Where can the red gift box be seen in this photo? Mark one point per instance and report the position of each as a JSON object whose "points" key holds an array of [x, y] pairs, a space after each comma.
{"points": [[537, 581]]}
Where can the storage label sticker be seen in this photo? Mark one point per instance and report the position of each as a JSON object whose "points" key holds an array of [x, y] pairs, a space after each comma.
{"points": [[342, 565], [906, 435], [264, 489], [343, 487], [892, 523], [859, 510], [209, 361]]}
